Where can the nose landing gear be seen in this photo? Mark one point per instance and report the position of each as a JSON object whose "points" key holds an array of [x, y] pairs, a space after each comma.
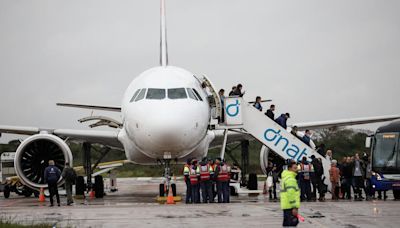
{"points": [[167, 181]]}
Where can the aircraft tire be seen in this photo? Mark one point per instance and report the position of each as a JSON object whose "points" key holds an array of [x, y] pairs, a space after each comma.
{"points": [[162, 194], [173, 186], [396, 194], [80, 186], [6, 191], [252, 183], [98, 186]]}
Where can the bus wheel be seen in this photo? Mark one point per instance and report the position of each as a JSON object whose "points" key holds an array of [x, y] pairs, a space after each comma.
{"points": [[396, 194]]}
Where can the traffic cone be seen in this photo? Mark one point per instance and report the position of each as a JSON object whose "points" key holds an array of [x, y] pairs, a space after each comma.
{"points": [[41, 196], [265, 188], [92, 194], [170, 198]]}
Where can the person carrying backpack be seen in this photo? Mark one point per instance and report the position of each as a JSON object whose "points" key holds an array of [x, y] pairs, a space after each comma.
{"points": [[69, 176]]}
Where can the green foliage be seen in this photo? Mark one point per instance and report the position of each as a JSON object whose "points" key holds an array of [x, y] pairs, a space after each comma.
{"points": [[343, 142]]}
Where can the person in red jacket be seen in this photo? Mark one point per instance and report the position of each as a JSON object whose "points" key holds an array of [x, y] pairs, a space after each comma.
{"points": [[334, 174]]}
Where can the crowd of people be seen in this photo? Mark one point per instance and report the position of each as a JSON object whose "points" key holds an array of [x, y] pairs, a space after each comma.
{"points": [[207, 180], [350, 179]]}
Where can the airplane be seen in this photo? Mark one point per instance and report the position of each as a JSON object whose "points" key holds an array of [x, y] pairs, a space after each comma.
{"points": [[166, 116]]}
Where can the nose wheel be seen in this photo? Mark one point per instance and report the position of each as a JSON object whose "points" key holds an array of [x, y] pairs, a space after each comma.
{"points": [[167, 181]]}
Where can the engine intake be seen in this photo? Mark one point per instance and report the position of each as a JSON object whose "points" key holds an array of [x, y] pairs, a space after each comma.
{"points": [[33, 155]]}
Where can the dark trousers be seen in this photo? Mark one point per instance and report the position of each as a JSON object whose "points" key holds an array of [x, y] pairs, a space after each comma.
{"points": [[289, 219], [319, 184], [368, 188], [206, 191], [272, 190], [358, 183], [53, 190], [305, 186], [188, 192], [335, 190], [347, 183], [195, 193], [223, 191], [68, 189]]}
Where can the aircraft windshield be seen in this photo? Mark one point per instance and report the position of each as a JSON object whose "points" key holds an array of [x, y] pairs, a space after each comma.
{"points": [[177, 93], [385, 157], [134, 95], [155, 94], [141, 95], [191, 94]]}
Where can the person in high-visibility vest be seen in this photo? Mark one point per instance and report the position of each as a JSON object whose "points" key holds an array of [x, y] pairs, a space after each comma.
{"points": [[194, 177], [205, 181], [305, 169], [213, 179], [290, 195], [186, 174], [222, 175]]}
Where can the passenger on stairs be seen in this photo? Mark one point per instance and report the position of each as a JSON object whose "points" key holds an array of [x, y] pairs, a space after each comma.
{"points": [[294, 132], [270, 112], [257, 103], [238, 91], [232, 91], [282, 120], [307, 139]]}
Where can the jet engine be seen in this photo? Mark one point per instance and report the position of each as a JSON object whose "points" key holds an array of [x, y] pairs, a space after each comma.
{"points": [[32, 158], [264, 159]]}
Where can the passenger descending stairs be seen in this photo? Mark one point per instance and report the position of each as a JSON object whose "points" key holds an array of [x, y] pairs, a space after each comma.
{"points": [[242, 115]]}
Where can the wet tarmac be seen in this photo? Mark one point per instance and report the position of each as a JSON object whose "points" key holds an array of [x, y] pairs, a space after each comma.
{"points": [[134, 205]]}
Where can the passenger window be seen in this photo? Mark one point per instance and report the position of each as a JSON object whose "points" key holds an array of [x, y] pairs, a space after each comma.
{"points": [[134, 95], [178, 93], [155, 94], [191, 94], [141, 95], [197, 94]]}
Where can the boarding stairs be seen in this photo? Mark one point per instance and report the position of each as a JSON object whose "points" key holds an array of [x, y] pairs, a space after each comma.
{"points": [[242, 116]]}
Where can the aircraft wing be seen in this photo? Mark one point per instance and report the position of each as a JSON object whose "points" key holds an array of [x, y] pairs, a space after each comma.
{"points": [[107, 138], [92, 107], [344, 122]]}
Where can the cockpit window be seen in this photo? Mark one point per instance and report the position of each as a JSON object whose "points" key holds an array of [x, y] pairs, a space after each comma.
{"points": [[191, 94], [197, 94], [177, 93], [134, 95], [141, 95], [155, 94]]}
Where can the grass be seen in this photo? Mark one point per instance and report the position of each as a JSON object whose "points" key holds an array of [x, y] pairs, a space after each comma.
{"points": [[11, 224]]}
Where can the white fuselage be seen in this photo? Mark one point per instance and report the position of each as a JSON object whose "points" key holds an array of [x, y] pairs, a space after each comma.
{"points": [[167, 119]]}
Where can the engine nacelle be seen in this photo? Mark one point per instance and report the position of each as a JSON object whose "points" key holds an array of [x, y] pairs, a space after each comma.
{"points": [[264, 159], [32, 158]]}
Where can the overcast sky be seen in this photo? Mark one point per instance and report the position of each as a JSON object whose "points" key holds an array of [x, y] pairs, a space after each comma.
{"points": [[318, 60]]}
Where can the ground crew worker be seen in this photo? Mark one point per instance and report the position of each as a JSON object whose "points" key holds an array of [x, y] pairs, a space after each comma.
{"points": [[69, 176], [306, 169], [186, 175], [194, 181], [51, 176], [290, 195], [213, 178], [205, 181], [222, 175]]}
